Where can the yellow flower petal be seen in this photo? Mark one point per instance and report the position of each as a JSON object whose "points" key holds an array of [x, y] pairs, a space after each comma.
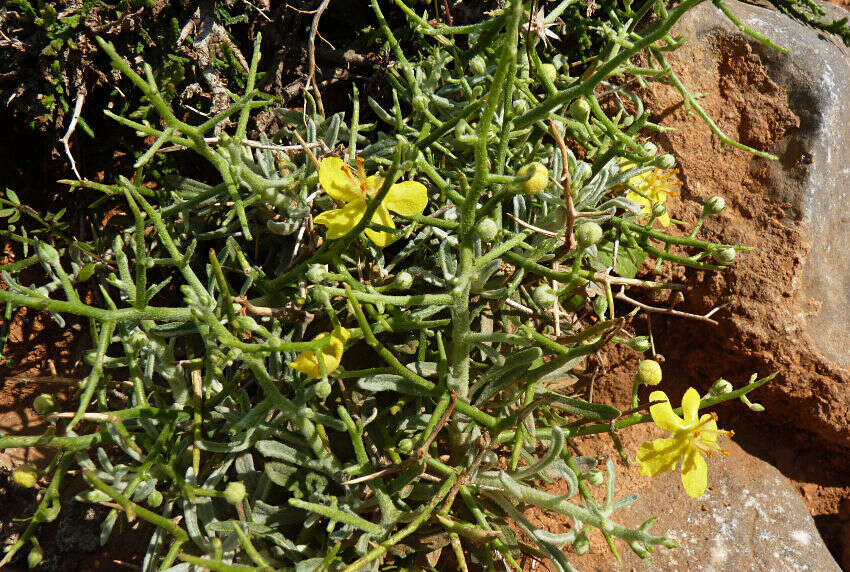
{"points": [[660, 455], [690, 406], [379, 237], [662, 413], [664, 219], [639, 199], [407, 198], [308, 362], [694, 474], [340, 221], [338, 181]]}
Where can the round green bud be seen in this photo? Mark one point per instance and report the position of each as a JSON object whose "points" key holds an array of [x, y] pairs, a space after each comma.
{"points": [[44, 404], [420, 102], [322, 389], [725, 255], [714, 205], [405, 446], [720, 387], [25, 476], [551, 72], [478, 65], [659, 210], [487, 229], [639, 343], [650, 148], [543, 296], [594, 477], [520, 106], [666, 161], [403, 280], [588, 233], [234, 492], [246, 323], [648, 372], [538, 178], [600, 306], [47, 253], [580, 110], [581, 544], [34, 557], [320, 295], [154, 499], [315, 274]]}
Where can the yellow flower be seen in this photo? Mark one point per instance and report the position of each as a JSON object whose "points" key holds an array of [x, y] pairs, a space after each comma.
{"points": [[354, 189], [308, 363], [692, 437], [654, 186]]}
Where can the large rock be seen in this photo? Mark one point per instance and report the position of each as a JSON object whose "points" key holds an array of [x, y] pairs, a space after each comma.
{"points": [[789, 300], [751, 518]]}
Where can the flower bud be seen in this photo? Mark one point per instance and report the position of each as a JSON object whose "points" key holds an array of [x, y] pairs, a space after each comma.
{"points": [[714, 205], [322, 389], [550, 71], [594, 477], [47, 253], [44, 404], [315, 274], [25, 476], [580, 110], [600, 306], [538, 178], [581, 544], [405, 446], [320, 295], [659, 210], [724, 255], [154, 499], [487, 229], [420, 102], [666, 161], [650, 148], [478, 65], [34, 557], [520, 106], [720, 387], [639, 343], [588, 233], [648, 372], [543, 296], [234, 492], [403, 280]]}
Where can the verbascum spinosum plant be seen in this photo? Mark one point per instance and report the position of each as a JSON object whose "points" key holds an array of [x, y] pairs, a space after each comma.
{"points": [[359, 342]]}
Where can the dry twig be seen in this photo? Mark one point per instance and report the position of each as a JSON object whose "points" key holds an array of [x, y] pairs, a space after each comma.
{"points": [[78, 109]]}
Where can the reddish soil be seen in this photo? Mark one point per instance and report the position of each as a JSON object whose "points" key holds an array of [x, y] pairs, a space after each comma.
{"points": [[753, 332]]}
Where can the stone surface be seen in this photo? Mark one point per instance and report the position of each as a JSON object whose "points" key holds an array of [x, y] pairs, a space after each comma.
{"points": [[751, 518], [788, 301]]}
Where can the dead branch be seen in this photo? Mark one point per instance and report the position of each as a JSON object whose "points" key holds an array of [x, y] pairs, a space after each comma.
{"points": [[78, 109], [621, 295]]}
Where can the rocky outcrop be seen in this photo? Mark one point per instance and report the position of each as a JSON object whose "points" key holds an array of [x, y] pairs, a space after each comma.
{"points": [[751, 518], [788, 301]]}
